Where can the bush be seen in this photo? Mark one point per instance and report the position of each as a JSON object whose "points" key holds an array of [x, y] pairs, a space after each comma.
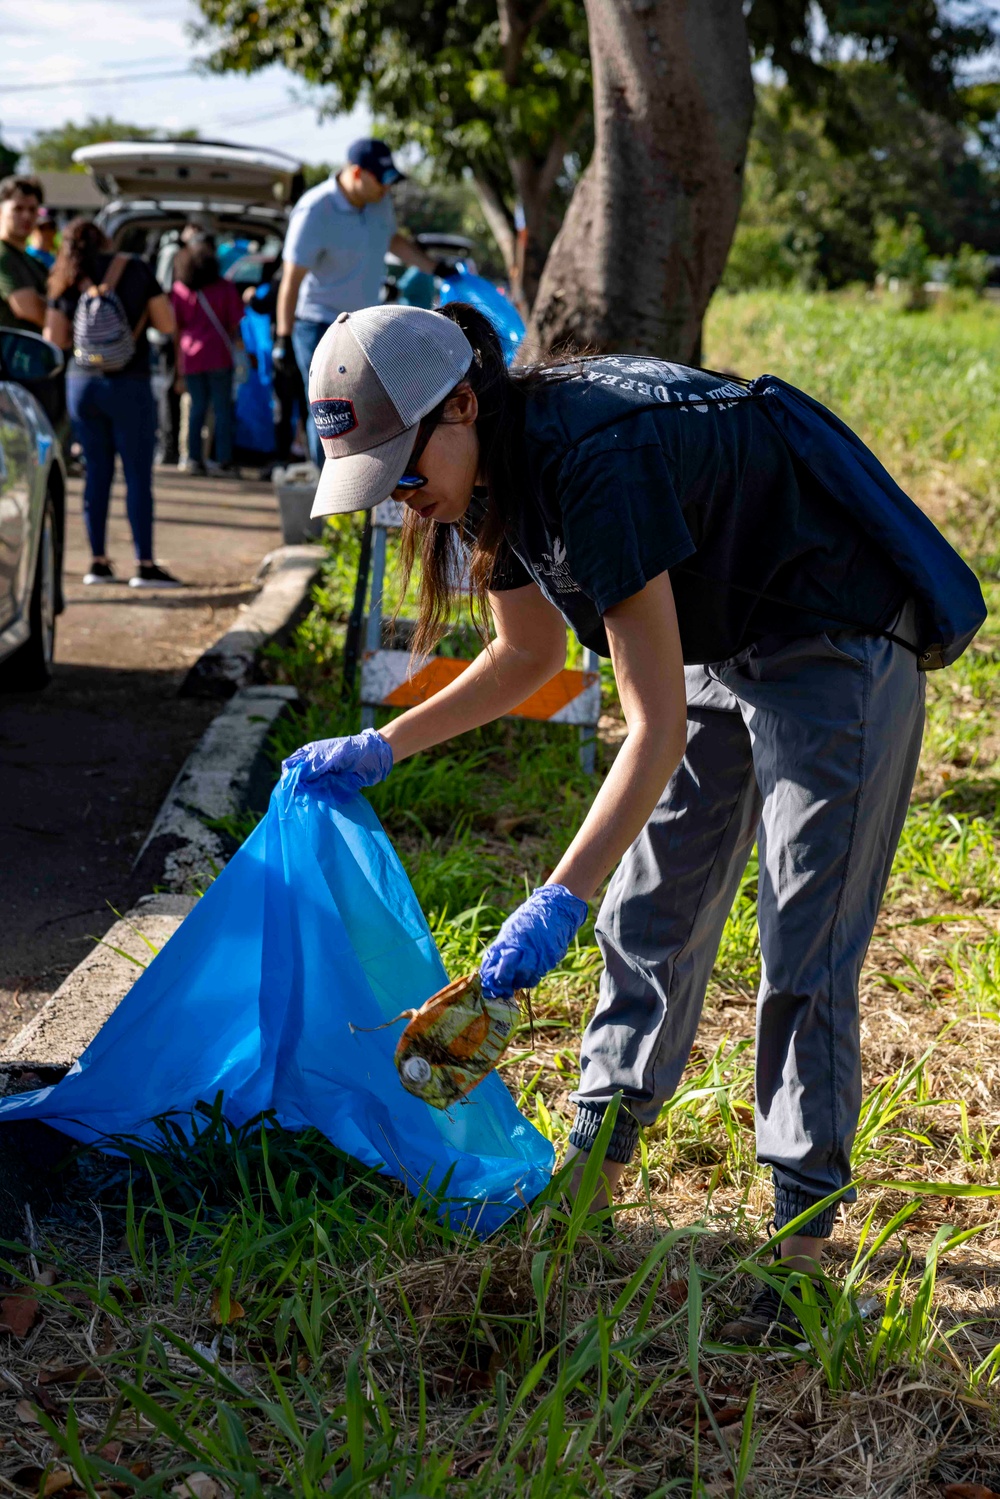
{"points": [[901, 253], [968, 270], [759, 257]]}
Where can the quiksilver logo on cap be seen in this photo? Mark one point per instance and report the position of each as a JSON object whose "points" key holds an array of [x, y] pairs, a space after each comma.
{"points": [[334, 416]]}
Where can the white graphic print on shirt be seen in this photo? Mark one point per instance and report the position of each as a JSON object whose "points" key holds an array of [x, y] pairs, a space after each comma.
{"points": [[555, 568]]}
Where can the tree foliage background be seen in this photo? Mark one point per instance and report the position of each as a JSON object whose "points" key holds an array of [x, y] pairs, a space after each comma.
{"points": [[52, 150], [500, 91], [814, 196]]}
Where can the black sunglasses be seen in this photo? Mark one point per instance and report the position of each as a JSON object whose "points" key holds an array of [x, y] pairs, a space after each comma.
{"points": [[411, 479]]}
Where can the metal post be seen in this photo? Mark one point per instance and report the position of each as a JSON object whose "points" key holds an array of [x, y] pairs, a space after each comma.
{"points": [[588, 732], [373, 630], [352, 638]]}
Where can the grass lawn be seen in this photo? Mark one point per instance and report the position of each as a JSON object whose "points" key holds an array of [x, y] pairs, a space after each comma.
{"points": [[257, 1312]]}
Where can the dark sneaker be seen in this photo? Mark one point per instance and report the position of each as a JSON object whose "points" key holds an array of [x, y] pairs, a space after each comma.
{"points": [[765, 1319], [100, 572], [148, 575]]}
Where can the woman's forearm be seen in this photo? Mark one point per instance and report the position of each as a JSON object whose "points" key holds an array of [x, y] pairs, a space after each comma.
{"points": [[498, 680], [621, 808]]}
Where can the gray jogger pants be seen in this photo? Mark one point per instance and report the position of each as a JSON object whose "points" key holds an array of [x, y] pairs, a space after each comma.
{"points": [[811, 747]]}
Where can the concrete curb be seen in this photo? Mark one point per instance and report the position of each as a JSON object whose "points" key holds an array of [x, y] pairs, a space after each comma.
{"points": [[67, 1023], [288, 574], [225, 774]]}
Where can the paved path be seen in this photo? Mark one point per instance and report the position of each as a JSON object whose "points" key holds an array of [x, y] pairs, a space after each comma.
{"points": [[85, 764]]}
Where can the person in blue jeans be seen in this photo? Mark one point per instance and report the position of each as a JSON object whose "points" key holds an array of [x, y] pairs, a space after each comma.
{"points": [[333, 259], [208, 310], [113, 414]]}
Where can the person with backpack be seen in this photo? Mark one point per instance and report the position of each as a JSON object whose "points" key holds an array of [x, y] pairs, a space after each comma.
{"points": [[770, 601], [208, 311], [99, 307]]}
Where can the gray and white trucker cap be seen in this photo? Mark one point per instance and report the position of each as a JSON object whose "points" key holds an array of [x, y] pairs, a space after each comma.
{"points": [[374, 374]]}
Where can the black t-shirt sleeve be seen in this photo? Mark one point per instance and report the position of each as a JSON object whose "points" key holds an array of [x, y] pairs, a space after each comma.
{"points": [[622, 519], [509, 572]]}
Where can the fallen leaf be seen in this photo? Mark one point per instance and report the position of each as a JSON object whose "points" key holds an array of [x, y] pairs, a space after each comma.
{"points": [[18, 1314], [467, 1467], [79, 1298], [729, 1414], [111, 1451], [68, 1374], [677, 1292], [464, 1378], [197, 1486], [968, 1491], [50, 1406], [236, 1312], [26, 1413], [57, 1481], [141, 1470]]}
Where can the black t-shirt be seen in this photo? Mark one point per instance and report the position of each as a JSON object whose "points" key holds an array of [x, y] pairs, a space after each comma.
{"points": [[630, 474], [137, 286]]}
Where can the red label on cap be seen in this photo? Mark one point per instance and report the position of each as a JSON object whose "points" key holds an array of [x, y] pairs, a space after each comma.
{"points": [[334, 416]]}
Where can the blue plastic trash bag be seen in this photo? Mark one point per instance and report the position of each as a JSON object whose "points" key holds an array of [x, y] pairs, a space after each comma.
{"points": [[254, 408], [311, 927], [463, 286]]}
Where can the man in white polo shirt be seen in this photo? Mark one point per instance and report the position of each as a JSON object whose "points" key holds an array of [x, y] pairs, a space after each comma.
{"points": [[334, 254]]}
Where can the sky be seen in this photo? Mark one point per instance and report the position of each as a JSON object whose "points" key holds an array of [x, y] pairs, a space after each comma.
{"points": [[67, 59]]}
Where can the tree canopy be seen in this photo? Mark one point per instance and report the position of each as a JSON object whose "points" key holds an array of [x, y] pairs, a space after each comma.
{"points": [[9, 159], [503, 87], [52, 150], [814, 195]]}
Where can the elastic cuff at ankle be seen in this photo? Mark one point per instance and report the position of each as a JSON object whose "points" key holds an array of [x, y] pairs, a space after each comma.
{"points": [[624, 1136], [788, 1204]]}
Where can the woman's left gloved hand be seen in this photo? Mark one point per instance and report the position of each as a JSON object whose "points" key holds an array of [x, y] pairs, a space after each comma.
{"points": [[354, 761], [533, 939]]}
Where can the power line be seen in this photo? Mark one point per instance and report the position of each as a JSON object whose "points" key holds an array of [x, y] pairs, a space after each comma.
{"points": [[103, 82]]}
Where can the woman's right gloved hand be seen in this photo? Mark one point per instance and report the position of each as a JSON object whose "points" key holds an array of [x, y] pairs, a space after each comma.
{"points": [[351, 762]]}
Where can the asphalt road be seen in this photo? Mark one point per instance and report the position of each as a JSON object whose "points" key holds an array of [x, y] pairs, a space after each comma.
{"points": [[85, 764]]}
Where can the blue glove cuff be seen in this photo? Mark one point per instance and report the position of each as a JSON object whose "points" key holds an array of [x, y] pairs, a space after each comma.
{"points": [[556, 900]]}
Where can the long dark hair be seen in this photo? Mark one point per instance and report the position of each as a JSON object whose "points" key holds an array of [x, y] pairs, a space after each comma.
{"points": [[196, 265], [82, 242], [501, 394]]}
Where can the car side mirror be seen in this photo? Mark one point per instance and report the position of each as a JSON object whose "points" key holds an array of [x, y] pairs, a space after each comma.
{"points": [[28, 358]]}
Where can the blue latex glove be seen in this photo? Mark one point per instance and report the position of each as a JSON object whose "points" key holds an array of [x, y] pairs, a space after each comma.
{"points": [[352, 762], [533, 939]]}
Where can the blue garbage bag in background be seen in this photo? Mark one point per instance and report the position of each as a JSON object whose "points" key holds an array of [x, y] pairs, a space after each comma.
{"points": [[254, 404], [463, 286], [313, 925]]}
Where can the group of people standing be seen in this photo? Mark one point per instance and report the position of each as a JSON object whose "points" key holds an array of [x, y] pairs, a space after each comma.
{"points": [[333, 261], [112, 410]]}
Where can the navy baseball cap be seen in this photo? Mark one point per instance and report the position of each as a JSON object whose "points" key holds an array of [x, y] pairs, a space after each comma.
{"points": [[375, 157]]}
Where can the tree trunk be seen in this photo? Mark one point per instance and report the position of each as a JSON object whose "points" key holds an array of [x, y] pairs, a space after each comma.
{"points": [[647, 233]]}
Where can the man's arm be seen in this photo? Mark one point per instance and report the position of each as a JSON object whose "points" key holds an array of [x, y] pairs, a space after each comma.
{"points": [[292, 276], [28, 304], [411, 254]]}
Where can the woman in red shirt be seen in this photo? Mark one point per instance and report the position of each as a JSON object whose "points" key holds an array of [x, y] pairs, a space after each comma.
{"points": [[208, 311]]}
